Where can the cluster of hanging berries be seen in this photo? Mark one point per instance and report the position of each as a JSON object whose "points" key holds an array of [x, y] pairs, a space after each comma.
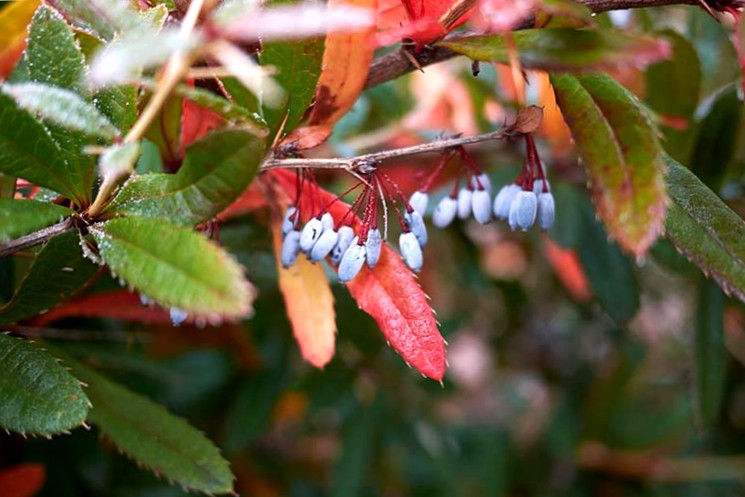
{"points": [[348, 247], [349, 244], [522, 204]]}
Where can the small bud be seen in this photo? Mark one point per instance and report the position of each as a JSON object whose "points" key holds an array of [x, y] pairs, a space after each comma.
{"points": [[372, 247], [311, 233], [288, 222], [415, 222], [327, 221], [352, 261], [324, 245], [444, 212], [290, 249], [178, 316], [504, 199], [546, 211], [411, 251], [464, 203], [419, 201], [483, 180], [523, 210], [346, 234], [481, 206]]}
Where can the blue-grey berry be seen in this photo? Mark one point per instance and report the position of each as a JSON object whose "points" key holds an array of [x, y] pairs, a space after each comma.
{"points": [[145, 300], [504, 199], [481, 206], [372, 247], [289, 222], [546, 211], [415, 222], [464, 203], [327, 221], [419, 201], [290, 249], [346, 234], [178, 316], [352, 261], [310, 234], [444, 212], [523, 210], [324, 245], [481, 179], [411, 251]]}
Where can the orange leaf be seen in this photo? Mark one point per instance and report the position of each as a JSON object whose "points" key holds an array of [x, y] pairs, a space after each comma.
{"points": [[14, 19], [565, 263], [22, 480], [392, 296], [309, 303], [346, 61]]}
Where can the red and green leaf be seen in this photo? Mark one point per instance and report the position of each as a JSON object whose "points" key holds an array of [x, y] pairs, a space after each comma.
{"points": [[619, 148]]}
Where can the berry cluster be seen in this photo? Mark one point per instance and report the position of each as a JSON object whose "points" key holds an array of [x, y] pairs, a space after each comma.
{"points": [[356, 239], [348, 247]]}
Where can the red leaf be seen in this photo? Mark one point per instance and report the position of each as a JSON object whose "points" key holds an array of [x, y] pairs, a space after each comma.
{"points": [[22, 480], [426, 21], [196, 121], [117, 304], [390, 294], [250, 200]]}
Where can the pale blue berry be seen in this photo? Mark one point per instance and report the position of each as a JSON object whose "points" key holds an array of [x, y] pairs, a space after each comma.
{"points": [[415, 222], [346, 234], [352, 261], [444, 212], [310, 234], [483, 180], [372, 247], [481, 206], [546, 211], [419, 201], [503, 200], [464, 203], [324, 245], [290, 249], [411, 251], [327, 221], [178, 316], [523, 210]]}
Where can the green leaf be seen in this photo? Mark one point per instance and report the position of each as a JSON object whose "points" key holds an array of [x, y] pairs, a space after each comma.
{"points": [[53, 55], [155, 438], [621, 154], [358, 443], [174, 266], [217, 169], [708, 232], [248, 416], [27, 151], [299, 65], [104, 18], [54, 58], [718, 136], [673, 86], [40, 396], [609, 271], [710, 353], [21, 217], [62, 107], [59, 269], [562, 49]]}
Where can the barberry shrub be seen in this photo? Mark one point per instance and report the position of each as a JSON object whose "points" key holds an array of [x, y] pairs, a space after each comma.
{"points": [[196, 195]]}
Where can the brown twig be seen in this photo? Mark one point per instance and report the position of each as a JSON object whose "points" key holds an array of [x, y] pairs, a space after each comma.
{"points": [[398, 62], [35, 238]]}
